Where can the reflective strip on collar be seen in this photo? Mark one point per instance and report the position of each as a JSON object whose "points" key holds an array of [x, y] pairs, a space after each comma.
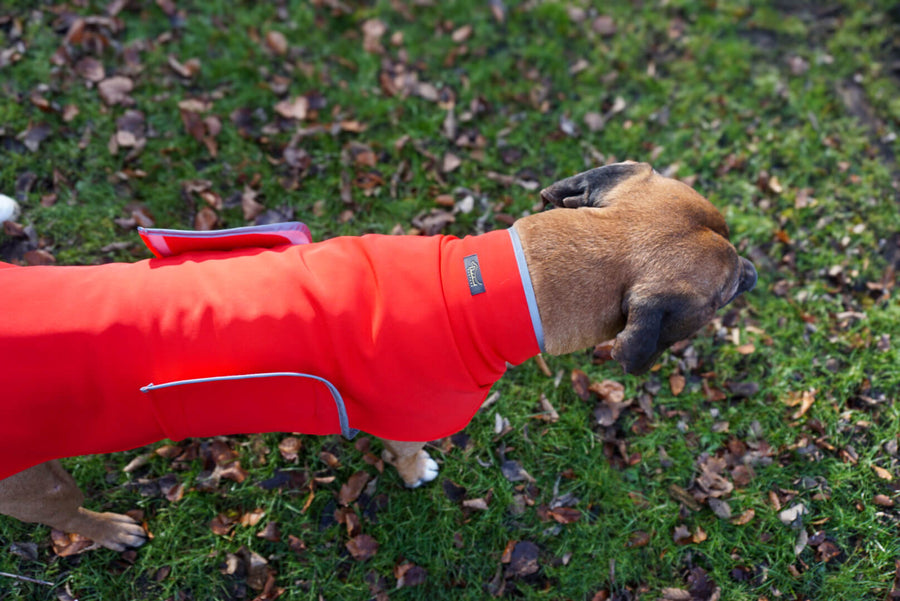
{"points": [[346, 430], [527, 287]]}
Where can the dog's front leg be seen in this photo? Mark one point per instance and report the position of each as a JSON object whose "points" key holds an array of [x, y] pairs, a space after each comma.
{"points": [[412, 462], [47, 494]]}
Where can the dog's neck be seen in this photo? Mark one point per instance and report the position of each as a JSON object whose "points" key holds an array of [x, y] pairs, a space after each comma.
{"points": [[567, 260]]}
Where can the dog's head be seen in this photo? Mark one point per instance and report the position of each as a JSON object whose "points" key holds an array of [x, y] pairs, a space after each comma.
{"points": [[677, 266]]}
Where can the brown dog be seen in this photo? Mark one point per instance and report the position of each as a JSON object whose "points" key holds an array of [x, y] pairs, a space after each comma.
{"points": [[630, 255]]}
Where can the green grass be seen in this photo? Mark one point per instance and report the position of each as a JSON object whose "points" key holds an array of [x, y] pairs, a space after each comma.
{"points": [[718, 92]]}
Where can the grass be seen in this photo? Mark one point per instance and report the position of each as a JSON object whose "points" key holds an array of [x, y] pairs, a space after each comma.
{"points": [[743, 98]]}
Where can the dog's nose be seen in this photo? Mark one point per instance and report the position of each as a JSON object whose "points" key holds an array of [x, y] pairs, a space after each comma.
{"points": [[748, 276], [549, 196]]}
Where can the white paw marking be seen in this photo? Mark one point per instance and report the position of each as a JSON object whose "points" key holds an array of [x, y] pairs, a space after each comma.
{"points": [[431, 470]]}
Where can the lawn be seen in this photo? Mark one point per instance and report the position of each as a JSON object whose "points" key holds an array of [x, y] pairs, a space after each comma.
{"points": [[757, 461]]}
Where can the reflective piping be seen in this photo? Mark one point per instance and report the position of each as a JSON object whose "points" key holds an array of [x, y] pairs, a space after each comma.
{"points": [[346, 430], [160, 246], [527, 287], [295, 231]]}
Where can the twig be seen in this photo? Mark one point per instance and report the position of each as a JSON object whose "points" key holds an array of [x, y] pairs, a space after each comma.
{"points": [[26, 579]]}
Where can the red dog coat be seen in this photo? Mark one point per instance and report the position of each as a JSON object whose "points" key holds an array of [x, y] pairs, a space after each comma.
{"points": [[400, 337]]}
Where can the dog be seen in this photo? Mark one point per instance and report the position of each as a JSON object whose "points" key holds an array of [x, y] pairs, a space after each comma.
{"points": [[398, 336]]}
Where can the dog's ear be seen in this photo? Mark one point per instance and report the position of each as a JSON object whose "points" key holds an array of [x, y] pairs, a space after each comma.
{"points": [[588, 189], [637, 346]]}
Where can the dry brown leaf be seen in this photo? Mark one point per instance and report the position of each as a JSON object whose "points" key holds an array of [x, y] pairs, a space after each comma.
{"points": [[676, 594], [235, 472], [608, 390], [409, 574], [354, 486], [604, 25], [116, 90], [462, 34], [480, 504], [523, 560], [548, 411], [581, 384], [90, 69], [565, 515], [362, 547], [677, 383], [39, 257], [66, 545], [372, 30], [296, 108], [189, 69], [883, 500], [804, 399], [222, 524], [638, 539], [34, 135], [205, 219], [252, 518], [276, 42], [289, 448], [450, 162], [883, 473], [744, 518]]}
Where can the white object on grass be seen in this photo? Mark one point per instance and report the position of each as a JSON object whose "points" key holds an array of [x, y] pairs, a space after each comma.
{"points": [[9, 208]]}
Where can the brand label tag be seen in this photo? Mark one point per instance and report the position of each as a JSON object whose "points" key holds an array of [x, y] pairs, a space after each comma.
{"points": [[473, 274]]}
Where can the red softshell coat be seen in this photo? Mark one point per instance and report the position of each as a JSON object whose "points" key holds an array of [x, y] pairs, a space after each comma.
{"points": [[400, 337]]}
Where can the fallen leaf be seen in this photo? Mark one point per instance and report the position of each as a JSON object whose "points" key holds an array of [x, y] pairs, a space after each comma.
{"points": [[883, 500], [744, 518], [116, 90], [514, 472], [249, 205], [879, 471], [205, 219], [479, 504], [90, 69], [793, 515], [276, 42], [34, 135], [354, 486], [804, 399], [523, 560], [450, 162], [604, 25], [296, 108], [565, 515], [676, 594], [39, 257], [188, 69], [362, 547], [638, 539], [252, 518], [677, 383], [235, 472], [608, 390], [289, 448], [223, 523], [719, 507], [67, 545], [409, 574], [453, 491], [372, 30]]}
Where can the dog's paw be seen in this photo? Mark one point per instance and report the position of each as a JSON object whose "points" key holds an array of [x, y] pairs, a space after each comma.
{"points": [[429, 471], [114, 531]]}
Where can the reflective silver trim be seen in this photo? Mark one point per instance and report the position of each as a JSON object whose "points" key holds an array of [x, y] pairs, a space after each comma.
{"points": [[346, 430], [526, 285]]}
